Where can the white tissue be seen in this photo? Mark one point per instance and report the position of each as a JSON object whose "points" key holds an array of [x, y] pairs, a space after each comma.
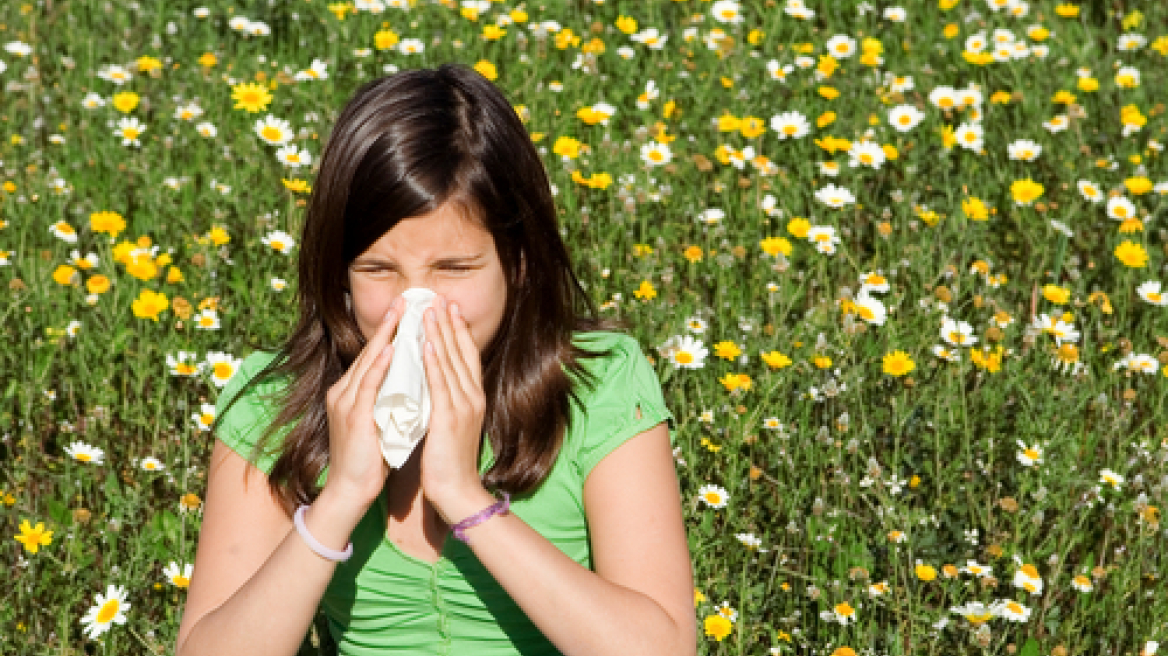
{"points": [[402, 407]]}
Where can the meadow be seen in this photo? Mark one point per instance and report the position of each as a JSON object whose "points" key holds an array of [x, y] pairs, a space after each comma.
{"points": [[900, 269]]}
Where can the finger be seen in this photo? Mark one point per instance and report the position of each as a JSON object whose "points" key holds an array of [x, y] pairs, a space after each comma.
{"points": [[470, 351], [437, 344], [439, 390], [369, 355], [451, 353]]}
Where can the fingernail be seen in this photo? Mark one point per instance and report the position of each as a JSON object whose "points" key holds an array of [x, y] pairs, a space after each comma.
{"points": [[454, 310]]}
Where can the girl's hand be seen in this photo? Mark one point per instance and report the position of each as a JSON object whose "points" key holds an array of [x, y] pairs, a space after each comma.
{"points": [[356, 464], [450, 455]]}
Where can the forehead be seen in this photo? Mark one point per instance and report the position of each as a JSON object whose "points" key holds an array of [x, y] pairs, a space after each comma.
{"points": [[447, 231]]}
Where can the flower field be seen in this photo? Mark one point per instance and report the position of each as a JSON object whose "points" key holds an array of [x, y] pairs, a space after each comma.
{"points": [[900, 268]]}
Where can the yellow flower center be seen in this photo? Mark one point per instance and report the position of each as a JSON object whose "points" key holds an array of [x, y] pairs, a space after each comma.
{"points": [[83, 457], [223, 370], [108, 611], [272, 133], [684, 357]]}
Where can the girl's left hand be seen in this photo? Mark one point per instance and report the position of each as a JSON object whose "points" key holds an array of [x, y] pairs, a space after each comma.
{"points": [[450, 456]]}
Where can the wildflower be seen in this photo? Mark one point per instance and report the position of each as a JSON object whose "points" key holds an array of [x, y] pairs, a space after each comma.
{"points": [[130, 129], [1082, 583], [866, 153], [1127, 77], [274, 131], [1010, 610], [735, 382], [975, 209], [179, 576], [713, 496], [34, 537], [905, 117], [897, 363], [1025, 192], [977, 569], [1055, 294], [108, 222], [1120, 208], [83, 452], [114, 73], [957, 333], [717, 627], [206, 130], [970, 136], [925, 572], [778, 71], [204, 417], [1139, 363], [824, 238], [835, 197], [318, 70], [1090, 191], [150, 304], [110, 608], [279, 241], [184, 364], [597, 113], [1132, 255], [727, 350], [189, 502], [1028, 579], [646, 291], [776, 360], [792, 125], [1024, 150], [656, 154], [1111, 478], [750, 541], [946, 354], [293, 157], [125, 101], [222, 366], [774, 246], [1062, 331], [251, 97], [871, 310], [150, 463], [1150, 292], [1029, 455], [207, 319], [974, 611]]}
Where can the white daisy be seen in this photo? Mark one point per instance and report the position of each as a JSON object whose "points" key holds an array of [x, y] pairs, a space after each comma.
{"points": [[204, 417], [957, 333], [1011, 610], [1090, 191], [92, 101], [824, 238], [1024, 150], [656, 153], [1111, 478], [109, 609], [411, 46], [130, 129], [685, 352], [791, 125], [188, 112], [82, 452], [726, 11], [713, 496], [841, 46], [293, 157], [207, 319], [834, 196], [150, 463], [970, 136], [222, 366], [943, 97], [1120, 208], [866, 153], [179, 575], [1150, 292], [779, 71], [1029, 455], [184, 364], [274, 131], [903, 118], [279, 241], [317, 71], [870, 309], [206, 130]]}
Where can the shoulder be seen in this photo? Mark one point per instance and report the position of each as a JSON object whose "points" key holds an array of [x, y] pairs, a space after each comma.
{"points": [[248, 403], [249, 368]]}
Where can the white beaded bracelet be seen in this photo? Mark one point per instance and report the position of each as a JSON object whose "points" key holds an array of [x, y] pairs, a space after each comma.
{"points": [[323, 551]]}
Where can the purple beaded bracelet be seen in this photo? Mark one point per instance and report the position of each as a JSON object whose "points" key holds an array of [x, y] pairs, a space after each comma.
{"points": [[498, 508]]}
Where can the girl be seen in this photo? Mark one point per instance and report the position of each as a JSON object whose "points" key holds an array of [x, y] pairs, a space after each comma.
{"points": [[430, 180]]}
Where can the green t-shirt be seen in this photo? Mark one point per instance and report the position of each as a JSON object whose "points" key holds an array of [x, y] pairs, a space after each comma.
{"points": [[382, 598]]}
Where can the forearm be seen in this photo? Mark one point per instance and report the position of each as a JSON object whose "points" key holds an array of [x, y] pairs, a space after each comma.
{"points": [[567, 601], [271, 613]]}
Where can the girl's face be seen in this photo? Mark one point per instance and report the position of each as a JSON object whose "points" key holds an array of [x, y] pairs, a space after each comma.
{"points": [[442, 251]]}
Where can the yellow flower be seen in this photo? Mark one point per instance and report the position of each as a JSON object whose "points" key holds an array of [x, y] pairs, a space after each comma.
{"points": [[925, 572], [108, 222], [493, 32], [751, 127], [146, 64], [829, 93], [385, 39], [693, 254], [1160, 45], [98, 284], [1138, 185], [174, 275], [141, 266], [33, 538], [125, 101], [208, 59], [951, 30], [594, 46], [1132, 255], [733, 382], [567, 147], [798, 227], [827, 65], [890, 151], [626, 24], [595, 181], [729, 123], [646, 291], [65, 275], [948, 139], [1087, 84], [251, 97], [975, 209], [339, 9], [1026, 191], [727, 350], [825, 119], [898, 363], [1067, 10], [821, 361], [1063, 97], [150, 304], [296, 185], [698, 597], [717, 627], [776, 360], [1055, 294], [774, 245]]}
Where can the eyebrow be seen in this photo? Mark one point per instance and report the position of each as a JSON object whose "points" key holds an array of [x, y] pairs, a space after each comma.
{"points": [[366, 260]]}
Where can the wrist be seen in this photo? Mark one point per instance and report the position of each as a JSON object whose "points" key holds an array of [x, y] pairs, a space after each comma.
{"points": [[458, 506]]}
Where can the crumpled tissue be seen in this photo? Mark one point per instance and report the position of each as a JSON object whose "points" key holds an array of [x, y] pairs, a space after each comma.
{"points": [[402, 407]]}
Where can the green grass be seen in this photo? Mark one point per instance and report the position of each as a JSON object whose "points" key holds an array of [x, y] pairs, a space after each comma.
{"points": [[932, 454]]}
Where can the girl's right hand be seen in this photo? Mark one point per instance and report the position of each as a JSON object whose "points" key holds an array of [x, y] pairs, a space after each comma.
{"points": [[356, 465]]}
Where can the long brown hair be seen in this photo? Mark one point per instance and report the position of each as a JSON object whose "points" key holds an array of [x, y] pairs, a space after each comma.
{"points": [[403, 146]]}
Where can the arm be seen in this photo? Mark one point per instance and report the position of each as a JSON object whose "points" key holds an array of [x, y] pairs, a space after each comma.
{"points": [[256, 583], [642, 589]]}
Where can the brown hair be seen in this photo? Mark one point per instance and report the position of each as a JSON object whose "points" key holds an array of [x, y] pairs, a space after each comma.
{"points": [[403, 146]]}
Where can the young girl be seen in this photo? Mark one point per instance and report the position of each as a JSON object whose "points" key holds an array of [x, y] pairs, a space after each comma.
{"points": [[547, 453]]}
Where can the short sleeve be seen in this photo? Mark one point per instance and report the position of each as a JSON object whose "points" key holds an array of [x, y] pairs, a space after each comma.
{"points": [[245, 421], [625, 383]]}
